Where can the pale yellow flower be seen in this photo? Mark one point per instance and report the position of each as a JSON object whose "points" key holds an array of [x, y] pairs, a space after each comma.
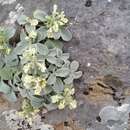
{"points": [[42, 67], [26, 68], [33, 34], [73, 104], [61, 104], [33, 22]]}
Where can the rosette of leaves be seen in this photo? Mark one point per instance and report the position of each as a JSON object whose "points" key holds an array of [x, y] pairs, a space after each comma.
{"points": [[115, 118], [48, 26]]}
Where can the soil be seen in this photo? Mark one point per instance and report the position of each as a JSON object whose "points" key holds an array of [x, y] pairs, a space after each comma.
{"points": [[101, 37]]}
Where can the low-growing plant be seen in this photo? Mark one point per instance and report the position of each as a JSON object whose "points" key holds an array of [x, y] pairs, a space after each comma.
{"points": [[37, 68], [16, 122], [115, 118]]}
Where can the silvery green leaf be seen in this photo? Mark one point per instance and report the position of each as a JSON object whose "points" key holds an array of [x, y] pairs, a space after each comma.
{"points": [[11, 61], [22, 35], [52, 52], [29, 28], [9, 93], [74, 66], [51, 59], [4, 88], [69, 80], [10, 31], [36, 101], [40, 15], [52, 79], [42, 49], [109, 113], [77, 74], [58, 85], [66, 35], [42, 33], [63, 72], [67, 64], [59, 62], [18, 50], [59, 52], [54, 43], [57, 35], [50, 107], [51, 68], [11, 96], [22, 19], [65, 56], [6, 73], [48, 89]]}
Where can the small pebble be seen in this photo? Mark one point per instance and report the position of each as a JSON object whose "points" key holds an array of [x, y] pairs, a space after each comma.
{"points": [[89, 64], [109, 0]]}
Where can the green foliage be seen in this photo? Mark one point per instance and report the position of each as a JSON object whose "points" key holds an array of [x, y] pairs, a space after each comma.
{"points": [[5, 34], [52, 26], [8, 91], [37, 67]]}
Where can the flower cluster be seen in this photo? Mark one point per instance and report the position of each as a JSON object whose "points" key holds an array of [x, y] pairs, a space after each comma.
{"points": [[35, 83], [55, 21], [65, 99], [28, 112]]}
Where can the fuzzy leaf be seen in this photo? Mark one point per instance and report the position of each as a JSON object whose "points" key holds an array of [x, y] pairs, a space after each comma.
{"points": [[42, 33], [6, 73], [48, 89], [66, 35], [40, 15], [11, 96], [65, 57], [36, 101], [58, 86], [29, 28], [69, 80], [77, 75], [52, 79], [63, 72], [10, 31], [42, 49], [9, 93], [54, 43], [4, 88], [18, 50], [51, 59], [74, 66], [22, 19], [22, 35], [57, 35]]}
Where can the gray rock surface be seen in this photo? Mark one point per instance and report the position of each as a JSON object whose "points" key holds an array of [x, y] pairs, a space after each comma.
{"points": [[101, 43]]}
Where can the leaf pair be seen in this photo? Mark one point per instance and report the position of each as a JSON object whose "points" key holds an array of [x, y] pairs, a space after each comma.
{"points": [[73, 73]]}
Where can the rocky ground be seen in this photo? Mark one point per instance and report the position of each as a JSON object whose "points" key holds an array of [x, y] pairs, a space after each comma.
{"points": [[101, 38]]}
